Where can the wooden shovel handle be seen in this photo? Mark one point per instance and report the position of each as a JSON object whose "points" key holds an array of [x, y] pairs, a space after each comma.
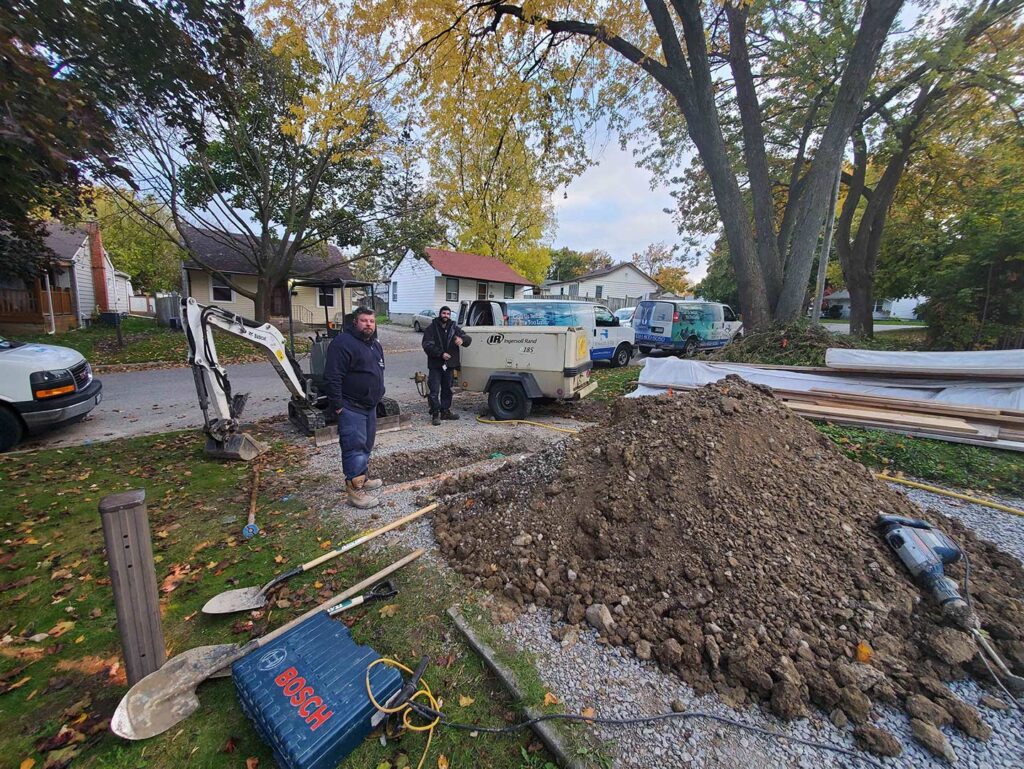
{"points": [[366, 537], [369, 582]]}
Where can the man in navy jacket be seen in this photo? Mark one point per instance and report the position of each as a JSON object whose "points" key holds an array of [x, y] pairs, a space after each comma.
{"points": [[354, 374]]}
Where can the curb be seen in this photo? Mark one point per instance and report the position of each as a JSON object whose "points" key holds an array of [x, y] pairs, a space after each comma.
{"points": [[545, 730]]}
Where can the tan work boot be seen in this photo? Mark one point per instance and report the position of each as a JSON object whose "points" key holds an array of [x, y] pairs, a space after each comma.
{"points": [[357, 496], [372, 484]]}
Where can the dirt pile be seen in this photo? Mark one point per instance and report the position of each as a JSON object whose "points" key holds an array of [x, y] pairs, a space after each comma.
{"points": [[727, 539]]}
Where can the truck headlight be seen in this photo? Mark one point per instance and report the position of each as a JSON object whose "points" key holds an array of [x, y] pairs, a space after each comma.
{"points": [[50, 384]]}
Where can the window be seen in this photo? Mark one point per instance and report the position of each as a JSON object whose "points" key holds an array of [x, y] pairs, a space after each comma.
{"points": [[603, 317], [325, 296], [599, 292], [533, 313], [451, 290], [561, 290], [220, 291], [394, 291], [574, 289], [481, 290], [510, 291], [730, 316]]}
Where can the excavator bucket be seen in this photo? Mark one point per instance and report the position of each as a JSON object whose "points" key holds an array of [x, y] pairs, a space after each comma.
{"points": [[239, 446]]}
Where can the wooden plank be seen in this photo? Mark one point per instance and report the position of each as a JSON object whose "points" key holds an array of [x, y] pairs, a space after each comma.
{"points": [[887, 417], [932, 407]]}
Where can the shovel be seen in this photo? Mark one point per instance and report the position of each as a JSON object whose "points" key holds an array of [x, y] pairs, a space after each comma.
{"points": [[250, 598], [168, 696]]}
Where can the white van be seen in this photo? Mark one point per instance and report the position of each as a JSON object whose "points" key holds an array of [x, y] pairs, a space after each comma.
{"points": [[42, 386], [609, 339]]}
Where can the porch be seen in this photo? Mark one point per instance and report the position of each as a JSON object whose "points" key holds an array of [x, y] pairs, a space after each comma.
{"points": [[26, 308]]}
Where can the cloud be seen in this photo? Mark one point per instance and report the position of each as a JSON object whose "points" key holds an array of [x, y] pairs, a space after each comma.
{"points": [[612, 207]]}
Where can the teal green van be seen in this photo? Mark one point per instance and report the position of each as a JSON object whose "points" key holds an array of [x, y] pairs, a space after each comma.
{"points": [[684, 327]]}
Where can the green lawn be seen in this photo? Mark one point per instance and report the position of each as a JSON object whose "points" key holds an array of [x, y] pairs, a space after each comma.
{"points": [[885, 322], [146, 342], [57, 693]]}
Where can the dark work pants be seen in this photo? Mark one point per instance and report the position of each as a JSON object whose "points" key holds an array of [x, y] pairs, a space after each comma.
{"points": [[440, 384], [357, 431]]}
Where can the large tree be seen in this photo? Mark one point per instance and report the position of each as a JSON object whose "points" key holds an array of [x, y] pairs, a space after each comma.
{"points": [[72, 72], [947, 78], [690, 66], [567, 264], [296, 155]]}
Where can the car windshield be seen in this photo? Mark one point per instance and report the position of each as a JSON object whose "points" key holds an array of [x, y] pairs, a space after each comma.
{"points": [[625, 313], [543, 314]]}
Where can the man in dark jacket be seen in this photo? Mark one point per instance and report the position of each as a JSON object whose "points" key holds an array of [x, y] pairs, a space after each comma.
{"points": [[354, 374], [441, 343]]}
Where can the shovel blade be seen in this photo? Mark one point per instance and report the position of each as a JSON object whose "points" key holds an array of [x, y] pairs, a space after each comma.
{"points": [[167, 696], [240, 599], [325, 436]]}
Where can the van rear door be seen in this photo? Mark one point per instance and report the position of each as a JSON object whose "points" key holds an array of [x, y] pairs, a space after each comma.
{"points": [[652, 322], [481, 313]]}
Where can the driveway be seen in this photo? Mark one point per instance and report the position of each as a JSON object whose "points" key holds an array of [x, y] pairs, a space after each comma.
{"points": [[145, 402]]}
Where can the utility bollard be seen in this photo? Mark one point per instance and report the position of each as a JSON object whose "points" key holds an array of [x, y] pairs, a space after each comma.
{"points": [[133, 579]]}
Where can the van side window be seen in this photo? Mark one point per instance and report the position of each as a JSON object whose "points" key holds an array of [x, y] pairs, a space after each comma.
{"points": [[713, 313], [730, 316], [603, 317]]}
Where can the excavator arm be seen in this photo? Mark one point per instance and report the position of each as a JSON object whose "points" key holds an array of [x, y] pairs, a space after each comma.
{"points": [[221, 408]]}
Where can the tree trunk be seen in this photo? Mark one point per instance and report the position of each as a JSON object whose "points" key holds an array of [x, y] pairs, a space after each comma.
{"points": [[862, 304], [261, 302]]}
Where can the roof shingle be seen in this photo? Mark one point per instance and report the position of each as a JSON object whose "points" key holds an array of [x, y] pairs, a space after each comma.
{"points": [[459, 264]]}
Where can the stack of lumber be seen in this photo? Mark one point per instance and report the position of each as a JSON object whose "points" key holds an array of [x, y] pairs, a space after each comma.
{"points": [[865, 401]]}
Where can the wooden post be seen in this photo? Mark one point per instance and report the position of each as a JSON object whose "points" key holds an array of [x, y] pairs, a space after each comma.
{"points": [[133, 579]]}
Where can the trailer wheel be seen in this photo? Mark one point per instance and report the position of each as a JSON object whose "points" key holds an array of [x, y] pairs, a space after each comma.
{"points": [[507, 400], [11, 430], [622, 356]]}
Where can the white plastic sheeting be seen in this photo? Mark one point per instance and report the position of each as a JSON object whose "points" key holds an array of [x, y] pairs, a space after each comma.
{"points": [[685, 374], [990, 363]]}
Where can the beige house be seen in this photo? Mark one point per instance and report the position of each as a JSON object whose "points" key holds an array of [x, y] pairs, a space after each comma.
{"points": [[321, 285]]}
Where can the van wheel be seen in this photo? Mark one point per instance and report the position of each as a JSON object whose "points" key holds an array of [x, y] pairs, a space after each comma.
{"points": [[622, 356], [691, 348], [507, 400], [11, 430], [416, 325], [644, 350]]}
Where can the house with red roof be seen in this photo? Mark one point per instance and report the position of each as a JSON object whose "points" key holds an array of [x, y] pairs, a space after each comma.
{"points": [[438, 277]]}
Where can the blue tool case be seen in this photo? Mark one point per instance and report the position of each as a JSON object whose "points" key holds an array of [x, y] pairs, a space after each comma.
{"points": [[306, 693]]}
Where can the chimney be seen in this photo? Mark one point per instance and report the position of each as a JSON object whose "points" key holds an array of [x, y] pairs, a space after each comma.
{"points": [[99, 266]]}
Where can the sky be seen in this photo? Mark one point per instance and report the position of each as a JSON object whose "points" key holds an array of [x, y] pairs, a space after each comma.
{"points": [[612, 207]]}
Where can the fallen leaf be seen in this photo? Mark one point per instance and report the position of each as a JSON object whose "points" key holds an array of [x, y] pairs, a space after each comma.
{"points": [[384, 765], [401, 761], [389, 610], [550, 699], [16, 685], [588, 712], [442, 762], [61, 628], [278, 559], [66, 736], [464, 701], [317, 585], [27, 763], [174, 578], [229, 746], [252, 763], [60, 759], [325, 544], [79, 639]]}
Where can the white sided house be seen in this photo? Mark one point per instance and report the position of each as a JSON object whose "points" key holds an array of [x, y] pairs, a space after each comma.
{"points": [[442, 277], [623, 281]]}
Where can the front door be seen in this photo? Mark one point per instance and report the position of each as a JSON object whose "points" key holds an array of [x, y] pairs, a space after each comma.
{"points": [[279, 300]]}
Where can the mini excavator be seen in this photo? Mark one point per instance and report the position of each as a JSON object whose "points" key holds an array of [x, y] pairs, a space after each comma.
{"points": [[307, 409]]}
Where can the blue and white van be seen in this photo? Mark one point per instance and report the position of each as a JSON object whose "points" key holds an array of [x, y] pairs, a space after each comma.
{"points": [[609, 339], [684, 327]]}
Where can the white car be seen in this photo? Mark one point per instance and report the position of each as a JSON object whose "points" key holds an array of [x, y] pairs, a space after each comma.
{"points": [[42, 386], [423, 319], [609, 339], [625, 316]]}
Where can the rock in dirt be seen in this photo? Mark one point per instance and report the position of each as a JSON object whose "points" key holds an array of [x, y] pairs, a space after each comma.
{"points": [[932, 739], [988, 701], [742, 536], [599, 618], [967, 719], [877, 741], [919, 706]]}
